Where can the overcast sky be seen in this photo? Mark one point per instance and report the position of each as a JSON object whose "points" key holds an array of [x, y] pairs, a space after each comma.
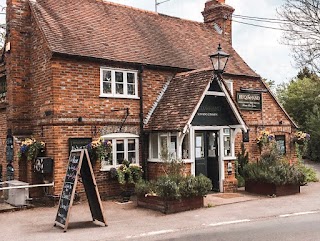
{"points": [[259, 47]]}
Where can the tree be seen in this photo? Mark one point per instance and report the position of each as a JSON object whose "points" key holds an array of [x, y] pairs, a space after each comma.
{"points": [[301, 99], [301, 20]]}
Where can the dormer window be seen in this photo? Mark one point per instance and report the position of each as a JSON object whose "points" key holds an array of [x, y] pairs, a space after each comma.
{"points": [[118, 83]]}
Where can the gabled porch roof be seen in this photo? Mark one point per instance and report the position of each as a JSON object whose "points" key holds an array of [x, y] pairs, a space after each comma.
{"points": [[181, 100]]}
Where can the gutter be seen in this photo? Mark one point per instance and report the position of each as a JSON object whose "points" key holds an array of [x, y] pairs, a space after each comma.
{"points": [[141, 115]]}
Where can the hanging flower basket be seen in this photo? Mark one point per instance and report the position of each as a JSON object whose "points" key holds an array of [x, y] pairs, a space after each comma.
{"points": [[301, 138], [31, 148], [99, 150]]}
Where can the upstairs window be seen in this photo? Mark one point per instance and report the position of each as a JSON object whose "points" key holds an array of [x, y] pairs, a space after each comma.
{"points": [[119, 83]]}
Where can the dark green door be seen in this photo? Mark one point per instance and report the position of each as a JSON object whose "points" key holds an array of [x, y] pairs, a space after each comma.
{"points": [[207, 156]]}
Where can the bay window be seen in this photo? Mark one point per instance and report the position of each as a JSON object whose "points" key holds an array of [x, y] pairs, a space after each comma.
{"points": [[125, 146]]}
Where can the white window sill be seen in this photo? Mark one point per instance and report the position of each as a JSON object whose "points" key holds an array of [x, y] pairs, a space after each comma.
{"points": [[120, 97], [161, 161], [229, 158]]}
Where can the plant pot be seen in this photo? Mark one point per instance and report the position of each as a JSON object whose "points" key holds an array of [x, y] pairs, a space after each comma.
{"points": [[271, 189], [170, 206], [125, 196]]}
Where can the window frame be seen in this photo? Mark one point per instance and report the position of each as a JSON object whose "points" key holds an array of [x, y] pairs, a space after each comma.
{"points": [[122, 137], [229, 85], [113, 93], [281, 138], [168, 136]]}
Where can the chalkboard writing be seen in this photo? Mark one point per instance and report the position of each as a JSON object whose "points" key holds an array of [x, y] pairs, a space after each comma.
{"points": [[78, 143], [79, 163], [69, 187]]}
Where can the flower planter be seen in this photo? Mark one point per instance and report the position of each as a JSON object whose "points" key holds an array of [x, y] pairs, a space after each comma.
{"points": [[271, 189], [170, 206]]}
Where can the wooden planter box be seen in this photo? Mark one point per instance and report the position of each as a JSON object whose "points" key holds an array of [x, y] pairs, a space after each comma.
{"points": [[271, 189], [170, 206]]}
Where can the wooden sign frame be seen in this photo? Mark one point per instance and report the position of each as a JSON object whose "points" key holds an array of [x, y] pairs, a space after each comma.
{"points": [[79, 165]]}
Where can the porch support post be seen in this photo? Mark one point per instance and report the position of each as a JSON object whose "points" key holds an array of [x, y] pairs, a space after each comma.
{"points": [[221, 161]]}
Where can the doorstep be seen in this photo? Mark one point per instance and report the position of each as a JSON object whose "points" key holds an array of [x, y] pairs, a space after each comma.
{"points": [[218, 199]]}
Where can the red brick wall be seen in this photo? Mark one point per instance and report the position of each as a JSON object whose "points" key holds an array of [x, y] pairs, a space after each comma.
{"points": [[3, 135], [157, 169], [269, 119], [230, 183]]}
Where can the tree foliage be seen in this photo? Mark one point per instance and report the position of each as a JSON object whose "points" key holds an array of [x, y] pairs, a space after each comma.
{"points": [[301, 21], [301, 99]]}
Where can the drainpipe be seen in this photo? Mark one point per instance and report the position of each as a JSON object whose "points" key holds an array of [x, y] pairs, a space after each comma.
{"points": [[142, 139]]}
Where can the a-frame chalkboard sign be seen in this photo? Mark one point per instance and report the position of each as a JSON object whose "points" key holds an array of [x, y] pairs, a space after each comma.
{"points": [[79, 165]]}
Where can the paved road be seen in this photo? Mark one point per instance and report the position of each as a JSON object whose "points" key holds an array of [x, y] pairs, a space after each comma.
{"points": [[126, 222], [303, 227]]}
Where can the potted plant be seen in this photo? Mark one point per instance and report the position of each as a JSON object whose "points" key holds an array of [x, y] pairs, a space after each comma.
{"points": [[173, 192], [273, 175], [127, 174]]}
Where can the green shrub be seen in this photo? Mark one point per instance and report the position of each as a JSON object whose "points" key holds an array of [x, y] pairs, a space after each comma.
{"points": [[278, 173], [309, 172], [188, 186], [167, 188], [173, 187], [203, 185], [241, 181], [144, 187]]}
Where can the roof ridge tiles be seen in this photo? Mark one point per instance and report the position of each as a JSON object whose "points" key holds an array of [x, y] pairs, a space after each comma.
{"points": [[126, 6], [149, 11], [192, 72]]}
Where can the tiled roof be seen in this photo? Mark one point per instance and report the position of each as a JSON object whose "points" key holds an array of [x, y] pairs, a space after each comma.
{"points": [[179, 101], [104, 30]]}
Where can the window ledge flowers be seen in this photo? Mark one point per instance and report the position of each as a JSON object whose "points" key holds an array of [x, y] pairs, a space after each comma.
{"points": [[127, 173], [31, 148]]}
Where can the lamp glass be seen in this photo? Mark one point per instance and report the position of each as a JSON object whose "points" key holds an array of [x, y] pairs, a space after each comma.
{"points": [[219, 60]]}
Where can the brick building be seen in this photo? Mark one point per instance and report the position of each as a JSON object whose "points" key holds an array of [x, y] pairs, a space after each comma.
{"points": [[78, 70]]}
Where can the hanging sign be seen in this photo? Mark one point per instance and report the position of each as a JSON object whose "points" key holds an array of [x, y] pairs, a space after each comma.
{"points": [[79, 163], [249, 101]]}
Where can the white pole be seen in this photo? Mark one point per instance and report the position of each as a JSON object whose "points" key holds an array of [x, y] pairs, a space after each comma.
{"points": [[28, 186]]}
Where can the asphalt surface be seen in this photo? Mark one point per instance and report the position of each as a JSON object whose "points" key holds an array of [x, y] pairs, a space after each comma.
{"points": [[127, 222]]}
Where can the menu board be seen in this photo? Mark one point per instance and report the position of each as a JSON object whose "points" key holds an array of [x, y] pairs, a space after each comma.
{"points": [[79, 163], [92, 193], [69, 185]]}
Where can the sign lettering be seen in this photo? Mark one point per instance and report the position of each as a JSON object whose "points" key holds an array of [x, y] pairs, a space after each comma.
{"points": [[249, 101]]}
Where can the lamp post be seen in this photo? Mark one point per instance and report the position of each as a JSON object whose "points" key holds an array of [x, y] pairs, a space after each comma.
{"points": [[219, 61]]}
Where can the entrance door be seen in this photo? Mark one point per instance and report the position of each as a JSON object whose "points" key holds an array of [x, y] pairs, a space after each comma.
{"points": [[207, 156]]}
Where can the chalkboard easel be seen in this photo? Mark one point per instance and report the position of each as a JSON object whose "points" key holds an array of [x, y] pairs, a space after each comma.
{"points": [[79, 165]]}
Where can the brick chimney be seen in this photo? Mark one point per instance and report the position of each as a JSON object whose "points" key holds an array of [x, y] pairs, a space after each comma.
{"points": [[17, 62], [218, 16]]}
